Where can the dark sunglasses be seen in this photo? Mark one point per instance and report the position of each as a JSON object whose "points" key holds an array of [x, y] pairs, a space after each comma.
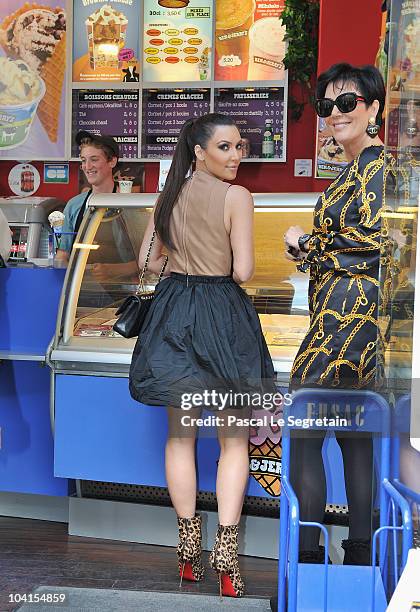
{"points": [[345, 103]]}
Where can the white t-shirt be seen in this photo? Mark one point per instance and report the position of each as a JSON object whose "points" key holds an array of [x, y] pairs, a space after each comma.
{"points": [[5, 237]]}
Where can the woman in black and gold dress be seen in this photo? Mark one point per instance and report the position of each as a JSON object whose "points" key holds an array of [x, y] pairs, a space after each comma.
{"points": [[342, 253]]}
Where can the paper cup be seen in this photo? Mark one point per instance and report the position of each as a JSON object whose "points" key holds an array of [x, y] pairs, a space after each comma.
{"points": [[16, 121], [125, 186]]}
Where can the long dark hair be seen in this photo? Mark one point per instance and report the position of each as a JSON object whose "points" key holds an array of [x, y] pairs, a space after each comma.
{"points": [[193, 132], [367, 79]]}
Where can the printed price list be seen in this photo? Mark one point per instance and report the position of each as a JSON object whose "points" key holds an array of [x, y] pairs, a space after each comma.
{"points": [[250, 110], [115, 113], [164, 113]]}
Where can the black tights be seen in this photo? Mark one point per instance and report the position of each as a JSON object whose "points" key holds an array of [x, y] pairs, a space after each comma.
{"points": [[308, 481]]}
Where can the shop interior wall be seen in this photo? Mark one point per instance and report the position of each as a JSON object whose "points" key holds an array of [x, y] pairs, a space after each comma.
{"points": [[349, 31]]}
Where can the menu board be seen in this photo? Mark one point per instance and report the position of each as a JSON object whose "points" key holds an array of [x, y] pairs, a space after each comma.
{"points": [[32, 84], [330, 156], [164, 113], [249, 40], [177, 44], [260, 116], [106, 40], [108, 112]]}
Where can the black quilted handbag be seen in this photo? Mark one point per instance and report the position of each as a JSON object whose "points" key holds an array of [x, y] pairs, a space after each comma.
{"points": [[134, 309]]}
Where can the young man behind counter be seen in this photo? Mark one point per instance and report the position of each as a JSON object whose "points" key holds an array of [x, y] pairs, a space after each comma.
{"points": [[99, 156]]}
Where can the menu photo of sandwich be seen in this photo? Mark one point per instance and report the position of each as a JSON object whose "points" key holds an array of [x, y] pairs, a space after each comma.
{"points": [[332, 150], [174, 3], [331, 158], [33, 39]]}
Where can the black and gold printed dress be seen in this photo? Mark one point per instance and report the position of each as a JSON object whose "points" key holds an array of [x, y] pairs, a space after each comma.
{"points": [[339, 349]]}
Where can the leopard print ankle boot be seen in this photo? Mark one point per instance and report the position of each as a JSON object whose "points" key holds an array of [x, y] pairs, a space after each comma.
{"points": [[224, 560], [189, 549]]}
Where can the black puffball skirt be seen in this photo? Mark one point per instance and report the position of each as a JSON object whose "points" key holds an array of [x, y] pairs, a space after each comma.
{"points": [[201, 334]]}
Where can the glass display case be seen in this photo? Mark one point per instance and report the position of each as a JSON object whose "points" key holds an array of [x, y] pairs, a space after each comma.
{"points": [[402, 144], [400, 271], [103, 271]]}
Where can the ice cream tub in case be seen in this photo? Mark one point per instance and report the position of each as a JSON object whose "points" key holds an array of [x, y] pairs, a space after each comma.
{"points": [[21, 90]]}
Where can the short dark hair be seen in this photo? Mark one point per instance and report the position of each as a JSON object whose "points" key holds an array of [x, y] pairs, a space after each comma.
{"points": [[367, 79], [106, 143], [89, 142]]}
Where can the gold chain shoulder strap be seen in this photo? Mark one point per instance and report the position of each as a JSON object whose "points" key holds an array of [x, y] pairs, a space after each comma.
{"points": [[140, 288]]}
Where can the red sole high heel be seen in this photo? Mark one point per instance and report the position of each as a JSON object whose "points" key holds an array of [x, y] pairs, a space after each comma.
{"points": [[226, 586], [186, 573]]}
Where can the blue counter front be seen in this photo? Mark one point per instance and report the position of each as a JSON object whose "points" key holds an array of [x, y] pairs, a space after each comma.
{"points": [[27, 447], [29, 299], [102, 434]]}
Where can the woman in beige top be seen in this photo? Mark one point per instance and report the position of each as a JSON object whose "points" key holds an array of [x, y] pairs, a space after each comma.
{"points": [[201, 344]]}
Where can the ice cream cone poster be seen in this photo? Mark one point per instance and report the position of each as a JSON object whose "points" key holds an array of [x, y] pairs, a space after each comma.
{"points": [[265, 450], [177, 44], [106, 40], [249, 40], [32, 79]]}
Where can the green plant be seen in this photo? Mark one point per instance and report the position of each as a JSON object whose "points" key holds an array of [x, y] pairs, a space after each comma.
{"points": [[301, 18]]}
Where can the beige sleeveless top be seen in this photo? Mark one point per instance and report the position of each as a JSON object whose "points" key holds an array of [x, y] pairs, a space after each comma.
{"points": [[197, 228]]}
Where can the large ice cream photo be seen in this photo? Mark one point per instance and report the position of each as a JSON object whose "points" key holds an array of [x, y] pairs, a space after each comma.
{"points": [[250, 40], [267, 49], [106, 41], [21, 90], [234, 18], [106, 31], [18, 83], [36, 34]]}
